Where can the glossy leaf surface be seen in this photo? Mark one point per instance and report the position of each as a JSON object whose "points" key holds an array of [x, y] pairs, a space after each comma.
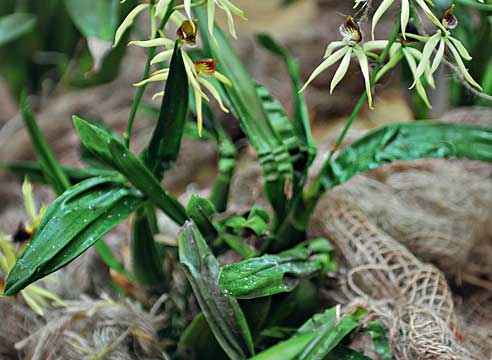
{"points": [[73, 222], [222, 311]]}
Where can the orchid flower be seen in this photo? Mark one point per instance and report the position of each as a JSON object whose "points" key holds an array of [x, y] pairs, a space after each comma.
{"points": [[157, 9], [198, 73], [438, 43], [404, 14], [348, 47]]}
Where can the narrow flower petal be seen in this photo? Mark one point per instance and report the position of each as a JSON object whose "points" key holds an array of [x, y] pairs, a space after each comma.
{"points": [[418, 56], [379, 14], [405, 16], [157, 95], [168, 43], [213, 91], [162, 56], [418, 84], [364, 67], [161, 8], [393, 61], [429, 48], [187, 6], [154, 78], [230, 22], [177, 18], [439, 56], [333, 58], [459, 46], [428, 12], [211, 18], [375, 45], [222, 78], [235, 10], [191, 73], [332, 47], [128, 22], [462, 67], [342, 70]]}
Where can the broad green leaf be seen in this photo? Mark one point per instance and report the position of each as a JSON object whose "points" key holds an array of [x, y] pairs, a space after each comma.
{"points": [[406, 141], [111, 150], [286, 350], [73, 222], [164, 145], [271, 274], [98, 18], [49, 165], [301, 116], [32, 170], [328, 318], [15, 25], [222, 311], [379, 335], [248, 107], [146, 258], [330, 335]]}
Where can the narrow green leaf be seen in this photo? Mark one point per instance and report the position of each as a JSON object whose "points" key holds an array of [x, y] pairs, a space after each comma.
{"points": [[201, 211], [409, 141], [110, 260], [330, 336], [33, 171], [271, 274], [49, 165], [166, 139], [97, 18], [301, 117], [15, 25], [146, 258], [239, 245], [482, 6], [222, 311], [248, 107], [73, 222], [379, 335], [114, 153], [286, 350]]}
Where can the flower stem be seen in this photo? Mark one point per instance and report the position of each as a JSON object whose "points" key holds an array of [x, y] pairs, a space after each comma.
{"points": [[139, 94]]}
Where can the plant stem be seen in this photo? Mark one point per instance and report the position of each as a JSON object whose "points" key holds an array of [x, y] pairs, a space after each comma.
{"points": [[139, 94], [292, 228]]}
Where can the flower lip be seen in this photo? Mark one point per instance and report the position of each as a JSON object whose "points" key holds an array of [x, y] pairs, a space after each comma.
{"points": [[350, 30], [188, 31], [206, 67], [449, 21], [22, 234]]}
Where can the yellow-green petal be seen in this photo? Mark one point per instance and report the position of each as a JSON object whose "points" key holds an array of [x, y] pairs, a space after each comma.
{"points": [[128, 22], [342, 70]]}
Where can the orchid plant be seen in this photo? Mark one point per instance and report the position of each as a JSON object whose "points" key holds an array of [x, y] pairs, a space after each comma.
{"points": [[255, 306]]}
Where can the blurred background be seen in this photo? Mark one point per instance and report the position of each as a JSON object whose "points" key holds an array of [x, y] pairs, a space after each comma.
{"points": [[67, 67]]}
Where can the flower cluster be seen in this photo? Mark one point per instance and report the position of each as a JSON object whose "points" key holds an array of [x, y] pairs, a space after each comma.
{"points": [[199, 72], [423, 54]]}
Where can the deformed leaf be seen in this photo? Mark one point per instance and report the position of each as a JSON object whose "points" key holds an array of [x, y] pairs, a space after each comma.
{"points": [[201, 211], [73, 222], [271, 274], [222, 311]]}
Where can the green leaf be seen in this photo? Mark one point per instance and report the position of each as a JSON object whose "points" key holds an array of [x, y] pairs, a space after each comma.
{"points": [[111, 150], [270, 274], [222, 311], [239, 245], [48, 163], [301, 117], [73, 222], [166, 139], [201, 211], [247, 106], [286, 350], [146, 257], [330, 335], [199, 339], [404, 141], [98, 18], [32, 170], [476, 4], [15, 25], [379, 335], [344, 353]]}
